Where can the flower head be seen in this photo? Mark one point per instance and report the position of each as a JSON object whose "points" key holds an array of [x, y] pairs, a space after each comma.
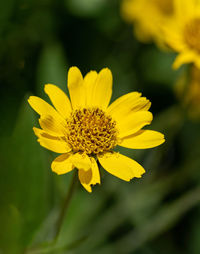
{"points": [[85, 129], [182, 32], [147, 17]]}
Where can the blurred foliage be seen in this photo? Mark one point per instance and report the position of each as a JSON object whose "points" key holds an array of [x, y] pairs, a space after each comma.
{"points": [[158, 214]]}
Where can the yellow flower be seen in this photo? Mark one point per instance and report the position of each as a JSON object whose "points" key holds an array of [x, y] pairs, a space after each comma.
{"points": [[87, 129], [182, 32], [147, 17], [188, 92]]}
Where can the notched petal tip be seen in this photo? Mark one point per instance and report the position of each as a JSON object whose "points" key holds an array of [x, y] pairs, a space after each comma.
{"points": [[121, 166], [91, 72], [163, 140], [143, 139], [142, 172]]}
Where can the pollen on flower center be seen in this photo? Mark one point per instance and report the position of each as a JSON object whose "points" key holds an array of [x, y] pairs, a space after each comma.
{"points": [[165, 6], [192, 34], [91, 131]]}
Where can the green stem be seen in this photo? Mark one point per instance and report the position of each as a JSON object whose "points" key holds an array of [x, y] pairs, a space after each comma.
{"points": [[66, 204]]}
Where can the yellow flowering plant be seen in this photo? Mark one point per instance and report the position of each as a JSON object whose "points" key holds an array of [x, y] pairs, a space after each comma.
{"points": [[147, 17], [85, 128], [182, 32]]}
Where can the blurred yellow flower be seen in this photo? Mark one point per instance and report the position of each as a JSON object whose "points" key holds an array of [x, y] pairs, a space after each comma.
{"points": [[147, 17], [188, 91], [182, 32], [87, 129]]}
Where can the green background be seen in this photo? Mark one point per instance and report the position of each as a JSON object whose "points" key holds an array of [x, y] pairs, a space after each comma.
{"points": [[157, 214]]}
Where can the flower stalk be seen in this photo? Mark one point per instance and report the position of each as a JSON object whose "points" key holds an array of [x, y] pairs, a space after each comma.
{"points": [[65, 206]]}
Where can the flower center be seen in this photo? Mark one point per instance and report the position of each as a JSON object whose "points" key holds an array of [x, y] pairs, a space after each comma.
{"points": [[192, 34], [165, 6], [91, 131]]}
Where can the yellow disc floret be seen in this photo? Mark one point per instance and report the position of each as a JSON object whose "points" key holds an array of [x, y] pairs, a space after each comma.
{"points": [[91, 131]]}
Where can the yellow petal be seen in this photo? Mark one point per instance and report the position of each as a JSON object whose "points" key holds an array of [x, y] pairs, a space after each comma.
{"points": [[143, 139], [49, 124], [43, 108], [50, 119], [62, 164], [127, 98], [173, 35], [133, 122], [184, 58], [81, 161], [90, 177], [186, 7], [89, 83], [59, 99], [95, 172], [85, 178], [131, 102], [76, 88], [121, 166], [55, 144], [102, 90]]}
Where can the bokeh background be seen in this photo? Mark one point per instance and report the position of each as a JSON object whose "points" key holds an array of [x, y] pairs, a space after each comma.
{"points": [[157, 214]]}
